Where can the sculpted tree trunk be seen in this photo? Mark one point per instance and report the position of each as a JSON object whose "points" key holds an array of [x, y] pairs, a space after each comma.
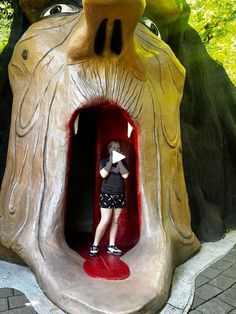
{"points": [[207, 124], [19, 25], [98, 66]]}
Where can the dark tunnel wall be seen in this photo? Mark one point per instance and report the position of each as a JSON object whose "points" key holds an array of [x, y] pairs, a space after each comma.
{"points": [[208, 125], [97, 126]]}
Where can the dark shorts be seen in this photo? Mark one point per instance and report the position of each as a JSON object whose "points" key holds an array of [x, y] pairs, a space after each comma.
{"points": [[112, 200]]}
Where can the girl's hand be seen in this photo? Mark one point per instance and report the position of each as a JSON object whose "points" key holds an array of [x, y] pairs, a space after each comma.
{"points": [[111, 156]]}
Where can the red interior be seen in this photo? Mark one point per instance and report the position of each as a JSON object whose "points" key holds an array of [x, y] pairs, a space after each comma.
{"points": [[105, 266], [101, 124], [113, 125]]}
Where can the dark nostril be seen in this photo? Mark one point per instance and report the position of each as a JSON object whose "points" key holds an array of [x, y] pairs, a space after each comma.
{"points": [[100, 38], [116, 39]]}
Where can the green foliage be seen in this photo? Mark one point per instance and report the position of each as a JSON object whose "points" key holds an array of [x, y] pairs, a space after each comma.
{"points": [[215, 21], [6, 14]]}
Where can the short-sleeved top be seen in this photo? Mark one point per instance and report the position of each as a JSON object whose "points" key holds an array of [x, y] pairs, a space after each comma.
{"points": [[113, 183]]}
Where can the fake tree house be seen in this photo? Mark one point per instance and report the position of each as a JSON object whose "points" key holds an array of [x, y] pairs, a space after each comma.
{"points": [[80, 74]]}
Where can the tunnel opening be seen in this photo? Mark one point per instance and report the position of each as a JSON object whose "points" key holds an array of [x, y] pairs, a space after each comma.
{"points": [[97, 126]]}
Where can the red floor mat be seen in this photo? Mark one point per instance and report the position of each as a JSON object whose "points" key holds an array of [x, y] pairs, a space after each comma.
{"points": [[106, 266]]}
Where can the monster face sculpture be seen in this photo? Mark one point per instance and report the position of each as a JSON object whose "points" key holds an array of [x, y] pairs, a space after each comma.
{"points": [[95, 69]]}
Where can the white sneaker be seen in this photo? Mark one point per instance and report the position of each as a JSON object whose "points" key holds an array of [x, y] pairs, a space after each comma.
{"points": [[93, 250], [113, 249]]}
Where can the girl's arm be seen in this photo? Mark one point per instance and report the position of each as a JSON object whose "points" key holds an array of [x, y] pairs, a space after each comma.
{"points": [[123, 171], [104, 172]]}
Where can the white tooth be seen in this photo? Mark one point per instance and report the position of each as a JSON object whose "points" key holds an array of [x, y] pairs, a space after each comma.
{"points": [[76, 125], [130, 129]]}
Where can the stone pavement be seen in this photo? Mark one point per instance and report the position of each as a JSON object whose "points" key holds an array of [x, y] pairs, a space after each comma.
{"points": [[216, 287], [13, 301], [215, 292]]}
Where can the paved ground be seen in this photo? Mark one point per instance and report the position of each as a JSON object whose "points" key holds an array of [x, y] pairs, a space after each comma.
{"points": [[214, 291], [13, 301], [216, 287]]}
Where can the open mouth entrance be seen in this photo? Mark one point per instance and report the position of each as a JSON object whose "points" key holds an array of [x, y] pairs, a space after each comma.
{"points": [[97, 126]]}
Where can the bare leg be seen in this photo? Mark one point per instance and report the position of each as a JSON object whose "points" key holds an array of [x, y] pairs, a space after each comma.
{"points": [[114, 225], [101, 228]]}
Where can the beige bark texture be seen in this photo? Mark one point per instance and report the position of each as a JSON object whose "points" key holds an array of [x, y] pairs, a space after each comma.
{"points": [[54, 71]]}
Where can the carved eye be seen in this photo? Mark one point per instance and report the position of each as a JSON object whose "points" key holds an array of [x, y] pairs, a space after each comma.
{"points": [[151, 25], [60, 9]]}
